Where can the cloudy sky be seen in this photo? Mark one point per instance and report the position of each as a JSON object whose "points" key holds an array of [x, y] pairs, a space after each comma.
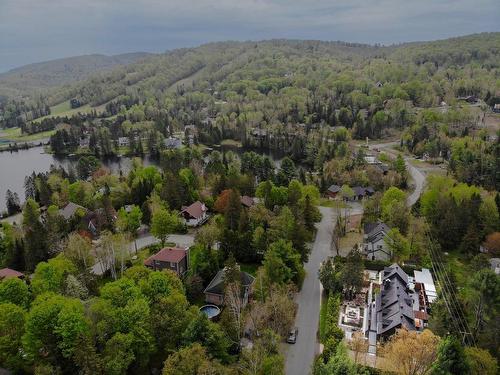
{"points": [[38, 30]]}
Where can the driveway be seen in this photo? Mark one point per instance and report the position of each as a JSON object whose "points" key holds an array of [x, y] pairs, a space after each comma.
{"points": [[184, 240], [300, 356]]}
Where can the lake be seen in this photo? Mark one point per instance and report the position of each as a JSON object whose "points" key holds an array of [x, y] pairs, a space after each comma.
{"points": [[15, 166]]}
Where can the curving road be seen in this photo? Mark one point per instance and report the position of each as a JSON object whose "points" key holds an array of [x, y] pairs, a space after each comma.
{"points": [[416, 174]]}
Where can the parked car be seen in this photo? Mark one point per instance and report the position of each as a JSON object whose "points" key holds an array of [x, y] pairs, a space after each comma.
{"points": [[292, 336]]}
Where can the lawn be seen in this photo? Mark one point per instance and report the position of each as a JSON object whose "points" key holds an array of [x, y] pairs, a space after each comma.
{"points": [[64, 110], [15, 135]]}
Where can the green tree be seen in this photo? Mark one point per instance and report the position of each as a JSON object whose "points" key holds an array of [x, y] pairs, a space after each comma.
{"points": [[12, 320], [163, 223], [53, 328], [130, 221], [35, 246], [51, 276], [481, 361], [203, 331], [192, 360], [282, 263], [15, 291], [451, 359]]}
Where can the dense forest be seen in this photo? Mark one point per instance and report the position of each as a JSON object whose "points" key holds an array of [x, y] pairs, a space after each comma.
{"points": [[316, 104]]}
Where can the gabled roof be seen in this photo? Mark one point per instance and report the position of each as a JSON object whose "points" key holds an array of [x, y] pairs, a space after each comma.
{"points": [[247, 201], [394, 304], [334, 188], [372, 229], [167, 254], [359, 190], [195, 210], [7, 273], [216, 286], [70, 210]]}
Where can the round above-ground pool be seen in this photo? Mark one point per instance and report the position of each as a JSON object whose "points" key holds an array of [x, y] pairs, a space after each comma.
{"points": [[211, 311]]}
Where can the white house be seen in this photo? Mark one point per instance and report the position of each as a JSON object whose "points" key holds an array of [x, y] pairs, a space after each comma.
{"points": [[195, 214], [172, 143], [123, 141], [375, 242]]}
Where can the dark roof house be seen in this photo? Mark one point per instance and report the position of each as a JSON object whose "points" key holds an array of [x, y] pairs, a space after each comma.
{"points": [[214, 292], [71, 209], [394, 304]]}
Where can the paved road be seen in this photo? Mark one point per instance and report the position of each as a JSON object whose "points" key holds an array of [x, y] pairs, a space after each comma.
{"points": [[300, 356], [146, 240], [415, 173]]}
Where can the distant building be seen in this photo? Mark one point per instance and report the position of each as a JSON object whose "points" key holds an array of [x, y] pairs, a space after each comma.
{"points": [[74, 103], [333, 191], [172, 143], [195, 214], [378, 84], [495, 265], [123, 141], [496, 108], [248, 201], [214, 292], [175, 259], [71, 210], [375, 242]]}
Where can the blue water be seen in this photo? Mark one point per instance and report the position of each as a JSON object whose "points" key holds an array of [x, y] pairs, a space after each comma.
{"points": [[210, 311]]}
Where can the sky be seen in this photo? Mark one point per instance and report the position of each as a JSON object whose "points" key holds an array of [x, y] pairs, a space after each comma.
{"points": [[41, 30]]}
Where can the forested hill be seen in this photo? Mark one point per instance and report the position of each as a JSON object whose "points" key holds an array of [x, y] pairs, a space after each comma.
{"points": [[278, 77], [280, 60], [28, 79]]}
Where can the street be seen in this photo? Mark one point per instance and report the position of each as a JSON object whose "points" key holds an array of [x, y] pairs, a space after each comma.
{"points": [[300, 356]]}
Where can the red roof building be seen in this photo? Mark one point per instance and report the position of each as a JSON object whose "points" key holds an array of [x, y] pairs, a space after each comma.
{"points": [[7, 273], [195, 214], [171, 258]]}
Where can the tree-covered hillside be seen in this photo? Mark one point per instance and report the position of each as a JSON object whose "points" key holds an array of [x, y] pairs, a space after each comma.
{"points": [[33, 78]]}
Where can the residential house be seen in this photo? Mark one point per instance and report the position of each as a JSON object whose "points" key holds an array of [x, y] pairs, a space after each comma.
{"points": [[195, 214], [425, 284], [214, 292], [496, 108], [393, 307], [172, 143], [97, 220], [247, 201], [333, 191], [8, 273], [71, 210], [175, 259], [123, 141], [375, 242]]}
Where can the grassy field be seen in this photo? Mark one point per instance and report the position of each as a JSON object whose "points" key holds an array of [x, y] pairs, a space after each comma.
{"points": [[63, 109], [15, 135]]}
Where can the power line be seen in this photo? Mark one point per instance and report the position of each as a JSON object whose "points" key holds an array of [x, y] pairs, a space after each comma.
{"points": [[450, 298]]}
